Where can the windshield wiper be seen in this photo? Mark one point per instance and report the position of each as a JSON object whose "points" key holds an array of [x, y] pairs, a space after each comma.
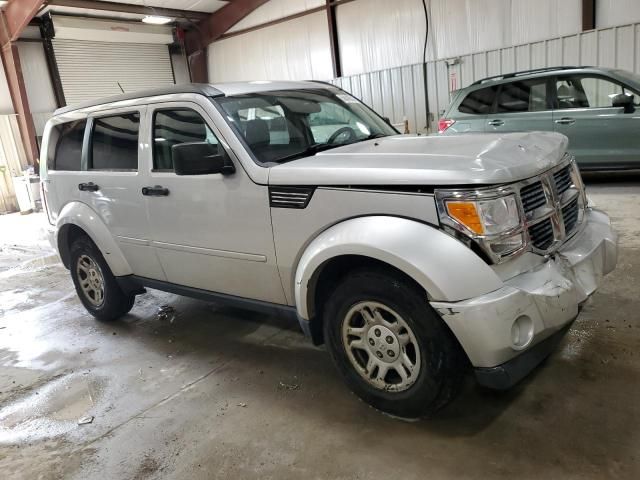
{"points": [[310, 150], [375, 135]]}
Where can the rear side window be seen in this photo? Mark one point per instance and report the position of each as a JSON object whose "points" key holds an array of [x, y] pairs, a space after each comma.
{"points": [[173, 127], [479, 102], [65, 146], [114, 142], [524, 96]]}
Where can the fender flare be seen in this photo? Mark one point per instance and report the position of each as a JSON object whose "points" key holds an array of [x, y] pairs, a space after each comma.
{"points": [[446, 268], [84, 217]]}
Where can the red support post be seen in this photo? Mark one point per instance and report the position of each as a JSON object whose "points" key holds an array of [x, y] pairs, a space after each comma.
{"points": [[13, 19], [212, 28]]}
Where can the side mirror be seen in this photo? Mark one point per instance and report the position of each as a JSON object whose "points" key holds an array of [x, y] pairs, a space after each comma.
{"points": [[200, 158], [387, 120], [625, 101]]}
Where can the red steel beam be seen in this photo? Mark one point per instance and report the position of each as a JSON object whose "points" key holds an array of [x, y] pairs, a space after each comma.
{"points": [[211, 29], [128, 8], [15, 16]]}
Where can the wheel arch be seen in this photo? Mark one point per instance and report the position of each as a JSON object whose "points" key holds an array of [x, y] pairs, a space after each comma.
{"points": [[438, 264], [76, 219]]}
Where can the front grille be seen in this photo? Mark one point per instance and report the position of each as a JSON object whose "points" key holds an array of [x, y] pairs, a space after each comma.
{"points": [[532, 196], [563, 180], [549, 227], [570, 214], [541, 234]]}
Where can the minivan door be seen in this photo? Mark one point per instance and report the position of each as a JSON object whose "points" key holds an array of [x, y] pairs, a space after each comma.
{"points": [[211, 231], [522, 105], [600, 135]]}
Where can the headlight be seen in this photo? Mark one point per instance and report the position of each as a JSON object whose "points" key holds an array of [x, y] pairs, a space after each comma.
{"points": [[485, 217], [489, 217]]}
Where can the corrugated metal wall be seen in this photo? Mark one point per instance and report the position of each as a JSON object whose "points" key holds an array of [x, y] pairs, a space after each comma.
{"points": [[399, 93]]}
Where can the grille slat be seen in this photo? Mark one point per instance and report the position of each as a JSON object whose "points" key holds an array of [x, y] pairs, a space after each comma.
{"points": [[570, 213], [563, 181], [542, 234], [532, 196]]}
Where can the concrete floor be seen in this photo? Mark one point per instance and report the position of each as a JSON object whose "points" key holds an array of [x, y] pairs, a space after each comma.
{"points": [[220, 393]]}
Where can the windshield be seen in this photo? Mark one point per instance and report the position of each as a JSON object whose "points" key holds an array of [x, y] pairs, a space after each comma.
{"points": [[288, 124]]}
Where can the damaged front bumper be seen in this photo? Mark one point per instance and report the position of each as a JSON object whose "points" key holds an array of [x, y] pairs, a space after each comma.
{"points": [[506, 333]]}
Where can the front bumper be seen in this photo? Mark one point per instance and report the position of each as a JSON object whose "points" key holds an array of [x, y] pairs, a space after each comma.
{"points": [[543, 301]]}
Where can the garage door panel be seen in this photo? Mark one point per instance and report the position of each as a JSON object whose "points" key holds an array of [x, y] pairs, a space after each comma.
{"points": [[91, 70]]}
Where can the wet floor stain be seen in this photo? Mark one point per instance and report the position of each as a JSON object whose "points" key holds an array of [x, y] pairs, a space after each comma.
{"points": [[52, 409]]}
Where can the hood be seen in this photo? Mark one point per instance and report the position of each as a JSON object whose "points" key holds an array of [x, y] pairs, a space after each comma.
{"points": [[464, 159]]}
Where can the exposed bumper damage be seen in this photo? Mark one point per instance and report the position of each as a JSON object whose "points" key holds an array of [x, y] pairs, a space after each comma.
{"points": [[504, 332]]}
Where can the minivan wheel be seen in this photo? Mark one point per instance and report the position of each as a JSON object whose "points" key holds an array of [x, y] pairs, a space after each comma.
{"points": [[95, 284], [390, 346]]}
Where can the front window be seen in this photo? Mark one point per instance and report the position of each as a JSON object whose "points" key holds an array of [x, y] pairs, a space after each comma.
{"points": [[589, 92], [284, 125], [175, 126]]}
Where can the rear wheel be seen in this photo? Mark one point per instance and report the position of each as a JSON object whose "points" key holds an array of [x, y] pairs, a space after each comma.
{"points": [[95, 284], [392, 349]]}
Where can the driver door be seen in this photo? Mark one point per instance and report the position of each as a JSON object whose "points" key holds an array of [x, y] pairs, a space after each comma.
{"points": [[210, 231], [600, 136]]}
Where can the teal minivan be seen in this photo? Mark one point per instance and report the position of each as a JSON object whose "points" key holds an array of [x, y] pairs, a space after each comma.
{"points": [[598, 109]]}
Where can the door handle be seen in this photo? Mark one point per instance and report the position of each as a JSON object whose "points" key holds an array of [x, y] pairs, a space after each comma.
{"points": [[88, 187], [566, 121], [155, 191], [496, 123]]}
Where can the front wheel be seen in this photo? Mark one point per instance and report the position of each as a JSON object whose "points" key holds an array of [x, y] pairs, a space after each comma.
{"points": [[392, 349], [95, 284]]}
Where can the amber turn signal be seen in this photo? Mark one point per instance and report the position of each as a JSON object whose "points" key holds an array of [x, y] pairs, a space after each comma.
{"points": [[467, 214]]}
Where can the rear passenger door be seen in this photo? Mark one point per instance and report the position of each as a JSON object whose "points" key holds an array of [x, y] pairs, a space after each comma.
{"points": [[523, 105], [111, 184]]}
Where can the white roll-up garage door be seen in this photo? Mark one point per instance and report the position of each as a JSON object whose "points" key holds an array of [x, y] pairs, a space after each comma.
{"points": [[91, 70]]}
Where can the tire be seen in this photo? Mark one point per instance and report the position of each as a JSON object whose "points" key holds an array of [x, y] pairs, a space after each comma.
{"points": [[88, 267], [436, 362]]}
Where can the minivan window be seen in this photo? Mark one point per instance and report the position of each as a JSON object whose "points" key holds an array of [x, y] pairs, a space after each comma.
{"points": [[65, 146], [479, 102], [173, 127], [523, 96], [114, 142]]}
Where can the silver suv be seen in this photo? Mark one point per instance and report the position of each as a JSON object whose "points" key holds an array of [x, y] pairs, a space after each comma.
{"points": [[410, 257], [596, 108]]}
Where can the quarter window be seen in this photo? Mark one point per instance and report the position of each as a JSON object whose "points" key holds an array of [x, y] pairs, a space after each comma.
{"points": [[114, 142], [65, 147], [523, 96], [479, 102], [173, 127]]}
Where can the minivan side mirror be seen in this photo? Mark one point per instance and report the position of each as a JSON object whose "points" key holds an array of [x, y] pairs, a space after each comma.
{"points": [[200, 158], [625, 101]]}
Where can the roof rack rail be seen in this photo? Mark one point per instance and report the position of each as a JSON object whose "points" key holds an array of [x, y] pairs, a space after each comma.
{"points": [[525, 72]]}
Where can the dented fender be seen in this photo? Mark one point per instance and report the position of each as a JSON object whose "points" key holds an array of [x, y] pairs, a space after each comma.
{"points": [[443, 266]]}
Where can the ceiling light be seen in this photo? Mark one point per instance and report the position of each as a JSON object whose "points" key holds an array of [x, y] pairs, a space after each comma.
{"points": [[157, 20]]}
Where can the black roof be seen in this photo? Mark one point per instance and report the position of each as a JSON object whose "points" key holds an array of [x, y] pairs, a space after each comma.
{"points": [[526, 72], [199, 88]]}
